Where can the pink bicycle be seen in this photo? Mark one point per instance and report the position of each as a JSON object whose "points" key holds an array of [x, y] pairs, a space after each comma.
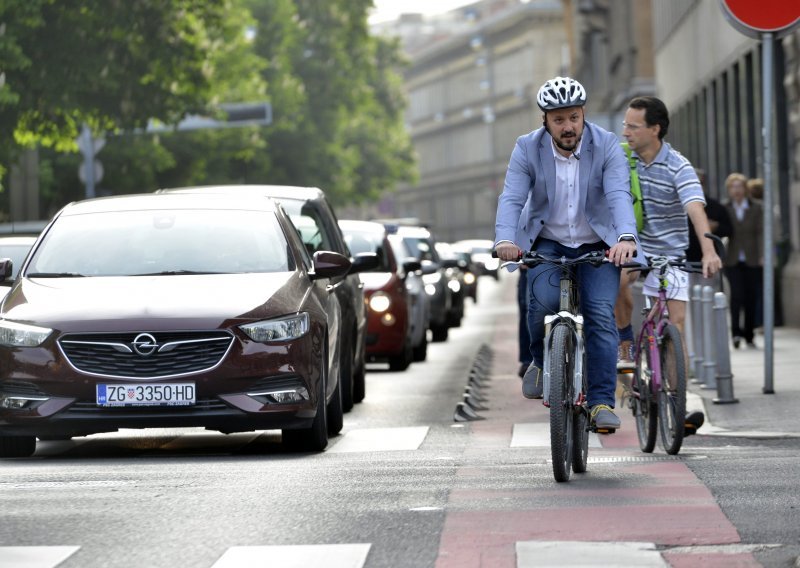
{"points": [[658, 391]]}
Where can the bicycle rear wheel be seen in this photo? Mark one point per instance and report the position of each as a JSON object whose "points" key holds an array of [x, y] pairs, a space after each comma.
{"points": [[672, 394], [561, 418], [643, 402]]}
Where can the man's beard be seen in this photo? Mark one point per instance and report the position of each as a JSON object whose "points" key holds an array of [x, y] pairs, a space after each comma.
{"points": [[565, 145]]}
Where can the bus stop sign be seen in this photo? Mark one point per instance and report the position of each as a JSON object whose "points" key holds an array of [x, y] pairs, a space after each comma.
{"points": [[765, 16]]}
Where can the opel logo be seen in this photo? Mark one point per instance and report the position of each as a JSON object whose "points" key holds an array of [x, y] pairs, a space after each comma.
{"points": [[145, 344]]}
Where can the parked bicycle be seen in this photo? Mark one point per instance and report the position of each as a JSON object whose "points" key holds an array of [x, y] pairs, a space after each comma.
{"points": [[657, 397], [564, 367]]}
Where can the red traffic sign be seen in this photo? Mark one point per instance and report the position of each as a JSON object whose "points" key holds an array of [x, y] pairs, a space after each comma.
{"points": [[756, 17]]}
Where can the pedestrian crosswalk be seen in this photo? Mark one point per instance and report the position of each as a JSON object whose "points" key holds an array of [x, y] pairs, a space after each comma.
{"points": [[35, 556], [352, 439]]}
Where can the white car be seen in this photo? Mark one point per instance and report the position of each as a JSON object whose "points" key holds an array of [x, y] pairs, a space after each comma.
{"points": [[481, 252]]}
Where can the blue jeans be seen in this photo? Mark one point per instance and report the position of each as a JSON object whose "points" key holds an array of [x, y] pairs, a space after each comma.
{"points": [[522, 301], [598, 287]]}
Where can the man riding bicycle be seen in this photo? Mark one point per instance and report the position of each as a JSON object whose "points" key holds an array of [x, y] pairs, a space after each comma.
{"points": [[671, 191], [567, 192]]}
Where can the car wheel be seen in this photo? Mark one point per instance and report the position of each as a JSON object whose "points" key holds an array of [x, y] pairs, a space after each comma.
{"points": [[17, 446], [335, 412], [360, 383], [314, 439], [439, 333], [401, 362], [346, 377], [421, 350]]}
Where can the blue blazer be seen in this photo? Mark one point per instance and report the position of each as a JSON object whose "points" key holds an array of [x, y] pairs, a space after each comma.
{"points": [[524, 206]]}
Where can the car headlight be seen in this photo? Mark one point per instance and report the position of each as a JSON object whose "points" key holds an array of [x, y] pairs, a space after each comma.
{"points": [[283, 329], [454, 285], [13, 334], [469, 278], [380, 302], [432, 278]]}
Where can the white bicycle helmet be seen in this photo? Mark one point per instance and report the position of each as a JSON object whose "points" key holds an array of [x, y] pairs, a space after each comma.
{"points": [[561, 92]]}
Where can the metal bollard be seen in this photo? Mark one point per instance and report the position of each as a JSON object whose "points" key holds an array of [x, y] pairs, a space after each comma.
{"points": [[724, 375], [709, 364], [696, 308]]}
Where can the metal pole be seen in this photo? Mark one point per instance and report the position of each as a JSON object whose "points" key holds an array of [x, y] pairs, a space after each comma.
{"points": [[709, 364], [724, 376], [88, 163], [767, 40], [696, 309]]}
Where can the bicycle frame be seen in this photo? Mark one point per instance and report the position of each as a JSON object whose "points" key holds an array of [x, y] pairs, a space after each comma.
{"points": [[656, 319]]}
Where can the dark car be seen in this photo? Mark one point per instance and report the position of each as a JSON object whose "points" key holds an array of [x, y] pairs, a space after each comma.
{"points": [[170, 311], [316, 222], [15, 249], [390, 328], [422, 245], [470, 272]]}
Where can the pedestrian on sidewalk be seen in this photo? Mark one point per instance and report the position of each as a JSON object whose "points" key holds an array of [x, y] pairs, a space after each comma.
{"points": [[744, 261], [566, 193], [524, 335]]}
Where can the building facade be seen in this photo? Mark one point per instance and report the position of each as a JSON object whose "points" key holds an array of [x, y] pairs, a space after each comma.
{"points": [[470, 97]]}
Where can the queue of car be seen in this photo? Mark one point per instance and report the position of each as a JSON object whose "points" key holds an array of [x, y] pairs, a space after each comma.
{"points": [[232, 308]]}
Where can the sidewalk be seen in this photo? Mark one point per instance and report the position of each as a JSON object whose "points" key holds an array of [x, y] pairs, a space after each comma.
{"points": [[756, 415]]}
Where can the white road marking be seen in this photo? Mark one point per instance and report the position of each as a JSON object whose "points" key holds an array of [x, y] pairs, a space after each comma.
{"points": [[380, 440], [35, 556], [537, 434], [297, 556], [547, 554]]}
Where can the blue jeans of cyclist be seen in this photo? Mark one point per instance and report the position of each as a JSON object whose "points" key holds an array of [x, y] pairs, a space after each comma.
{"points": [[598, 288]]}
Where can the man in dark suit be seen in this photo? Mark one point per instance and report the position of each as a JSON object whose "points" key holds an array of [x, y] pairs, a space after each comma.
{"points": [[744, 261]]}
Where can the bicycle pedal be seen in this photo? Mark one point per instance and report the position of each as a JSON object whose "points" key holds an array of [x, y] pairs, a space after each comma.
{"points": [[605, 430]]}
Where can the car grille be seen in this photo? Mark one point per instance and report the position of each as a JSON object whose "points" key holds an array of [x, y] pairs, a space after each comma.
{"points": [[201, 405], [174, 354]]}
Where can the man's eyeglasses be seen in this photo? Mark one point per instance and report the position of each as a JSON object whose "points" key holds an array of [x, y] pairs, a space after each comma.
{"points": [[630, 126]]}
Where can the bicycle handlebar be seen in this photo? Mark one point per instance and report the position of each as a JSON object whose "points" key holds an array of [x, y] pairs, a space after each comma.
{"points": [[532, 258], [659, 262]]}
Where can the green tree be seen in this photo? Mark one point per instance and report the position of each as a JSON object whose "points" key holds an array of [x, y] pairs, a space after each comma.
{"points": [[342, 127], [110, 63]]}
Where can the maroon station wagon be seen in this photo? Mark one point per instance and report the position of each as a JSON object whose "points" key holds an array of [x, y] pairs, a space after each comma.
{"points": [[170, 310]]}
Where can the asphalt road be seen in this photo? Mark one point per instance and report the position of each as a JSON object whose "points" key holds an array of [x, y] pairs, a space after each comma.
{"points": [[404, 485]]}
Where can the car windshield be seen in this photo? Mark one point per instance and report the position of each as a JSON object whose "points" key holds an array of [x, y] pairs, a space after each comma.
{"points": [[365, 241], [134, 243], [421, 249]]}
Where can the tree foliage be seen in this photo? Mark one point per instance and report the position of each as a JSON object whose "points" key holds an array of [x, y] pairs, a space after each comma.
{"points": [[114, 64]]}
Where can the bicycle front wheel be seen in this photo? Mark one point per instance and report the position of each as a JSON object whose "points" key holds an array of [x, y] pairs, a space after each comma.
{"points": [[561, 419], [672, 394], [643, 403]]}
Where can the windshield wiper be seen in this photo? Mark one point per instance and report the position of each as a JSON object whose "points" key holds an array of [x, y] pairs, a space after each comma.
{"points": [[177, 273], [54, 275]]}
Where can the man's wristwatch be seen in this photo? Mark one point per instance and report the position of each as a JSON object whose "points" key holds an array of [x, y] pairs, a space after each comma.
{"points": [[626, 238]]}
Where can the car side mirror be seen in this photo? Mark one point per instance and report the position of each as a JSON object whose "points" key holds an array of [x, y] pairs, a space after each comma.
{"points": [[364, 262], [329, 264], [411, 265], [429, 267], [6, 268]]}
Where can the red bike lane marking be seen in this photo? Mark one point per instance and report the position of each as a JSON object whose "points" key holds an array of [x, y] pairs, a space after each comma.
{"points": [[639, 498]]}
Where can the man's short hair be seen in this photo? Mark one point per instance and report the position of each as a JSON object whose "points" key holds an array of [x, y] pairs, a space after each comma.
{"points": [[655, 112]]}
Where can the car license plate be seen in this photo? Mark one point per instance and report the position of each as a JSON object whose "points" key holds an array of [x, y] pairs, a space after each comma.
{"points": [[167, 394]]}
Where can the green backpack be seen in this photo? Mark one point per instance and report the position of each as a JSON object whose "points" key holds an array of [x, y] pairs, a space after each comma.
{"points": [[636, 190]]}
